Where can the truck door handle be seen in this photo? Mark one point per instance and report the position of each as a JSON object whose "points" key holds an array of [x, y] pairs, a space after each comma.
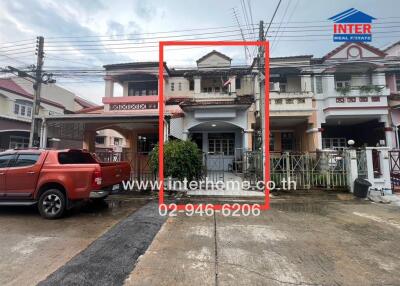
{"points": [[30, 172]]}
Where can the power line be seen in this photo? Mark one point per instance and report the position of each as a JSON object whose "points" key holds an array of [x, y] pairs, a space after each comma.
{"points": [[272, 19]]}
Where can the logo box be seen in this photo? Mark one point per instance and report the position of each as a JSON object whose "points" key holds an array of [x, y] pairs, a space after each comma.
{"points": [[352, 25]]}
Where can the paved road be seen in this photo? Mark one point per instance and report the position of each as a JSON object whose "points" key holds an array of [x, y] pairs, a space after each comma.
{"points": [[311, 240], [110, 259], [31, 248]]}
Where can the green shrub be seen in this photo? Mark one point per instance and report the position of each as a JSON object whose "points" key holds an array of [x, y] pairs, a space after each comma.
{"points": [[182, 159]]}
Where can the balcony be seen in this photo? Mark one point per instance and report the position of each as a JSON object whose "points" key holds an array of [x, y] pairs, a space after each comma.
{"points": [[291, 103], [214, 96], [370, 99]]}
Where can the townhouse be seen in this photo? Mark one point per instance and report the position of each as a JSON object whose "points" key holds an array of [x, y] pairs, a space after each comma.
{"points": [[315, 103]]}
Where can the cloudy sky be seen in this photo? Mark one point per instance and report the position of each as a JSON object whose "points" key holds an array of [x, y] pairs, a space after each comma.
{"points": [[86, 34]]}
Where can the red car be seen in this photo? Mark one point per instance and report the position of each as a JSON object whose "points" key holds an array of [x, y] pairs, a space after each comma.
{"points": [[55, 179]]}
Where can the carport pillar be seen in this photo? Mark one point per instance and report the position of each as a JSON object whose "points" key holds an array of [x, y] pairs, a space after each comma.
{"points": [[197, 84], [89, 139], [352, 170], [109, 87], [43, 134], [246, 137], [389, 133]]}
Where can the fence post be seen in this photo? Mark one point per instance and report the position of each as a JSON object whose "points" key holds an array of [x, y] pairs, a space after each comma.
{"points": [[352, 170]]}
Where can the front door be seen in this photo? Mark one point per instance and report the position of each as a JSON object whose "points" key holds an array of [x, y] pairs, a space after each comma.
{"points": [[22, 176], [4, 162]]}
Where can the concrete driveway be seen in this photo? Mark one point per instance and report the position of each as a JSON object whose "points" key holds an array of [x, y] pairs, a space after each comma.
{"points": [[303, 240], [31, 248]]}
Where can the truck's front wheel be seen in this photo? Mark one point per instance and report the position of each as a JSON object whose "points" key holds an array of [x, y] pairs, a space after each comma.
{"points": [[52, 204]]}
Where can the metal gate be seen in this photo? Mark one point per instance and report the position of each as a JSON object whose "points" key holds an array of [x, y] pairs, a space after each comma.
{"points": [[214, 166], [395, 170], [309, 170]]}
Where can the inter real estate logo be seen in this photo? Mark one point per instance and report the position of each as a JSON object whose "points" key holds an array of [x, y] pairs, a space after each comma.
{"points": [[352, 25]]}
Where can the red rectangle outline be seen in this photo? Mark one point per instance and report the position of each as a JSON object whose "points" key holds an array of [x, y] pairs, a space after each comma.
{"points": [[161, 102]]}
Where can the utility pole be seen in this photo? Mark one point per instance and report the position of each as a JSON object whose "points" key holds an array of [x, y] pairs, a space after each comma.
{"points": [[37, 85], [38, 79], [261, 77]]}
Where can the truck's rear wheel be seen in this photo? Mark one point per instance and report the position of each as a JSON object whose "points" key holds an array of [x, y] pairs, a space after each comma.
{"points": [[52, 204]]}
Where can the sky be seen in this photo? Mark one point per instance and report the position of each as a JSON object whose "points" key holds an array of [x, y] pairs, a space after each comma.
{"points": [[86, 34]]}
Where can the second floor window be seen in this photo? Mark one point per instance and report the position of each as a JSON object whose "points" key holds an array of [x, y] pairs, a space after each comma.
{"points": [[23, 108], [318, 84], [172, 86], [342, 83], [143, 88], [179, 86], [238, 83], [191, 85], [398, 84]]}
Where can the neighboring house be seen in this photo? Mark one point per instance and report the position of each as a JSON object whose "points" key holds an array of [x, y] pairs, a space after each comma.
{"points": [[16, 95], [16, 113], [352, 98]]}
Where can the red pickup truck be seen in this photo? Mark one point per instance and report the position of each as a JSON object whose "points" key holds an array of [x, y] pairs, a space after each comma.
{"points": [[55, 179]]}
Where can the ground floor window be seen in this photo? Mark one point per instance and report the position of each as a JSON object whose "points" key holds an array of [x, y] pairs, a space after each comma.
{"points": [[221, 143], [271, 141], [333, 143], [146, 142], [18, 142], [287, 141]]}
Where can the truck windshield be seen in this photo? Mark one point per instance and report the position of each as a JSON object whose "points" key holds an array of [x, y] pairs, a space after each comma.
{"points": [[75, 158]]}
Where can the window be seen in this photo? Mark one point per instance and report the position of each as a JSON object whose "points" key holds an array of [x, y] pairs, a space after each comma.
{"points": [[398, 83], [23, 108], [287, 141], [318, 83], [282, 87], [26, 160], [342, 80], [179, 86], [191, 84], [146, 143], [238, 81], [342, 84], [172, 86], [5, 159], [117, 141], [143, 88], [100, 139], [221, 143], [271, 141], [18, 142]]}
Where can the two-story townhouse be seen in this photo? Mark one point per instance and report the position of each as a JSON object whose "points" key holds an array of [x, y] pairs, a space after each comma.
{"points": [[16, 113], [351, 97], [392, 70]]}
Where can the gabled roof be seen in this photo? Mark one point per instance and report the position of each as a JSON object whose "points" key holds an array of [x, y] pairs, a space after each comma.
{"points": [[214, 52], [352, 16], [344, 45], [391, 46], [84, 102], [9, 85], [134, 65]]}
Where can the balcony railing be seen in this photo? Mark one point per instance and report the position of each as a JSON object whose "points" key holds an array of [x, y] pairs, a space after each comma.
{"points": [[291, 101], [214, 95]]}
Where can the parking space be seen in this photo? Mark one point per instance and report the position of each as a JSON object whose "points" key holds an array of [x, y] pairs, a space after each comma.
{"points": [[32, 248]]}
